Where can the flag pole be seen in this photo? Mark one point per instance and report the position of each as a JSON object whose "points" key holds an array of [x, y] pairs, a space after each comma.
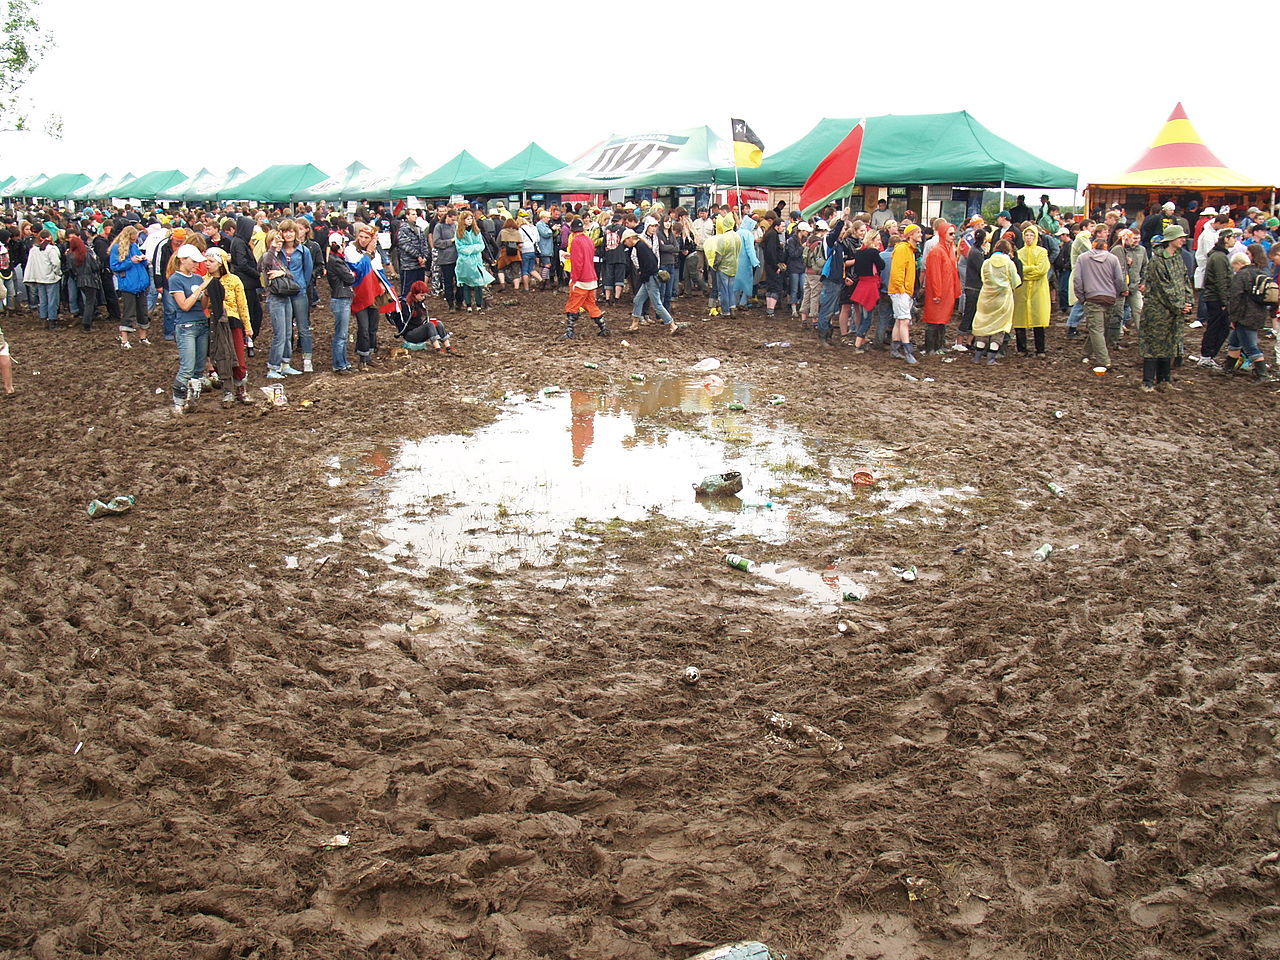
{"points": [[737, 187]]}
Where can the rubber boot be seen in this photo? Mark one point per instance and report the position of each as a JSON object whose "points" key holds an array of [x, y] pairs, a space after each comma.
{"points": [[569, 320], [909, 352], [895, 351], [979, 354], [601, 329], [1020, 337]]}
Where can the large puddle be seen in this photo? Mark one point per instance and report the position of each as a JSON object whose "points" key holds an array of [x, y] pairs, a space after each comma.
{"points": [[554, 466], [560, 472]]}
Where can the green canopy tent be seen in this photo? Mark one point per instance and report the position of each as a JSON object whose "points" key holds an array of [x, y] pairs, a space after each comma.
{"points": [[462, 174], [912, 149], [356, 182], [226, 190], [674, 158], [149, 185], [178, 191], [25, 185], [331, 187], [408, 172], [112, 187], [90, 190], [5, 184], [513, 175], [279, 183], [61, 185]]}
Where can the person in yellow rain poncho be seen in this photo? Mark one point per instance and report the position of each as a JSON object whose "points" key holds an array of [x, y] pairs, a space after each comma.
{"points": [[994, 316], [1032, 300], [725, 223], [722, 252]]}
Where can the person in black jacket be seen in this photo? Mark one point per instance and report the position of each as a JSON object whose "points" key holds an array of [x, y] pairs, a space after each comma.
{"points": [[413, 248], [245, 266], [775, 263], [645, 261], [102, 250], [973, 262], [341, 279]]}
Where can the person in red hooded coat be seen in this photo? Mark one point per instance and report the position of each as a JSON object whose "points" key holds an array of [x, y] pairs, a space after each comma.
{"points": [[941, 288]]}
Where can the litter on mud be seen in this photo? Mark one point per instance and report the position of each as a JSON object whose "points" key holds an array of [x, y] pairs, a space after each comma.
{"points": [[745, 950], [113, 507], [719, 485]]}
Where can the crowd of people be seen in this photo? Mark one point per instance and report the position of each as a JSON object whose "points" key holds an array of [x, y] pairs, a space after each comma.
{"points": [[856, 278]]}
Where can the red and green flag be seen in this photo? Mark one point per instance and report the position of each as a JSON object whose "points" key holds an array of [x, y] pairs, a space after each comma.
{"points": [[834, 176]]}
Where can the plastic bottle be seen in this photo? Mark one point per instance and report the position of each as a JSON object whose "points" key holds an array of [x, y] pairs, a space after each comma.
{"points": [[1042, 552], [737, 405], [591, 366], [638, 377], [739, 562]]}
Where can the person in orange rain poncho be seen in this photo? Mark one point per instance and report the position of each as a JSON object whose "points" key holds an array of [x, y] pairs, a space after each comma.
{"points": [[941, 288]]}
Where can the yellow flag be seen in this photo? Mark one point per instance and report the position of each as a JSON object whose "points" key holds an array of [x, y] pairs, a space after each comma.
{"points": [[748, 149]]}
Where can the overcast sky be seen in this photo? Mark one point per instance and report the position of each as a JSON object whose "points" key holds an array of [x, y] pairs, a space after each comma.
{"points": [[428, 79]]}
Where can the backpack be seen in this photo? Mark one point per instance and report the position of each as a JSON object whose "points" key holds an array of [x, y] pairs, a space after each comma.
{"points": [[1264, 291]]}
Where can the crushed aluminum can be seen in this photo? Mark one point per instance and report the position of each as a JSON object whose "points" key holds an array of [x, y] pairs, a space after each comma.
{"points": [[690, 676]]}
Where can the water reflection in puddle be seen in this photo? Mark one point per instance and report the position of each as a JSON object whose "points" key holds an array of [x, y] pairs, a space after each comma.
{"points": [[513, 491]]}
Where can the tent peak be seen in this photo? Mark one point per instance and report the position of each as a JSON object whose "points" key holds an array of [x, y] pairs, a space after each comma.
{"points": [[1178, 112]]}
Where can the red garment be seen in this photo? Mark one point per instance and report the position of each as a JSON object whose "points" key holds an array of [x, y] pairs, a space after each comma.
{"points": [[1200, 225], [941, 278], [582, 259], [867, 293]]}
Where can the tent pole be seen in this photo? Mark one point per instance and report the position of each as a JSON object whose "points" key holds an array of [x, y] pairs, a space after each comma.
{"points": [[1001, 194]]}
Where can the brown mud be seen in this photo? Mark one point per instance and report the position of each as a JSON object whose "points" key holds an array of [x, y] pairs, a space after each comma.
{"points": [[1006, 758]]}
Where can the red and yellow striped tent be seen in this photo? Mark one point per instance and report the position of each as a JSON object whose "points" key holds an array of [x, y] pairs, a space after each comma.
{"points": [[1179, 164]]}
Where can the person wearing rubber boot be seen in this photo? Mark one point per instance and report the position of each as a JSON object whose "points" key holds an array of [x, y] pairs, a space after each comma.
{"points": [[582, 282], [1169, 301], [902, 288]]}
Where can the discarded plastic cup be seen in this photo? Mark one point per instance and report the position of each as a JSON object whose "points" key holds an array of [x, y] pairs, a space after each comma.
{"points": [[863, 477], [1042, 552], [909, 575], [739, 562], [1099, 371]]}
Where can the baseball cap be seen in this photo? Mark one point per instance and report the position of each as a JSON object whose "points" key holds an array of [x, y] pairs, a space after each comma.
{"points": [[803, 225], [189, 251], [629, 234], [821, 225], [1168, 205]]}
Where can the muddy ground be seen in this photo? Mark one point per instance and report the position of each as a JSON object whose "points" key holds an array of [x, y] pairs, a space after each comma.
{"points": [[1069, 758]]}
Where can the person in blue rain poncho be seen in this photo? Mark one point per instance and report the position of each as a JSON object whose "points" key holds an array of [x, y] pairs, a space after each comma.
{"points": [[745, 281]]}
